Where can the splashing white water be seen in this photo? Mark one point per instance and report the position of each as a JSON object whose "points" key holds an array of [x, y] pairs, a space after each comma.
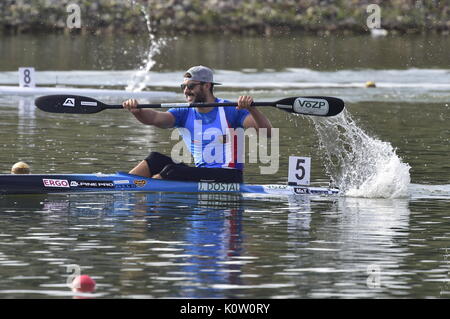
{"points": [[141, 77], [360, 165]]}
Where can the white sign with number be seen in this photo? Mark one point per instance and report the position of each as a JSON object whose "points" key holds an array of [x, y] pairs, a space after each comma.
{"points": [[26, 78], [299, 170]]}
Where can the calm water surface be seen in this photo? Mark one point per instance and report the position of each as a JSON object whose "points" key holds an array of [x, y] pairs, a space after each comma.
{"points": [[148, 245]]}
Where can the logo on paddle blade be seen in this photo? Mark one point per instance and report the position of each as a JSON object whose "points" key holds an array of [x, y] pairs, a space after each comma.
{"points": [[311, 106], [69, 102], [87, 103]]}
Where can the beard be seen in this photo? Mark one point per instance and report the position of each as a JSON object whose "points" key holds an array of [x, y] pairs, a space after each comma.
{"points": [[200, 97]]}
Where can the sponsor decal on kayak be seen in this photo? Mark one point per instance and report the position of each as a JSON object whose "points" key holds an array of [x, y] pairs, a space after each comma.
{"points": [[125, 186], [219, 187], [323, 191], [301, 190], [92, 184], [277, 187], [122, 182], [140, 182], [56, 183]]}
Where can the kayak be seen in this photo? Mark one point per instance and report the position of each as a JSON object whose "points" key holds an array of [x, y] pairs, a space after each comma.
{"points": [[124, 182]]}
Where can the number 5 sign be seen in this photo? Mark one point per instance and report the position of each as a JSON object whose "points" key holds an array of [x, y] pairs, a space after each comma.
{"points": [[26, 78], [299, 170]]}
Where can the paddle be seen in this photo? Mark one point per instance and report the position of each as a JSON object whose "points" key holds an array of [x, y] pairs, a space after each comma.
{"points": [[310, 105]]}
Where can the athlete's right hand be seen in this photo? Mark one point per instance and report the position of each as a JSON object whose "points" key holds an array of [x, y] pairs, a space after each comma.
{"points": [[131, 105]]}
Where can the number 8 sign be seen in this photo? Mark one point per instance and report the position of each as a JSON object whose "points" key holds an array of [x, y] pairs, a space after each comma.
{"points": [[299, 170], [26, 77]]}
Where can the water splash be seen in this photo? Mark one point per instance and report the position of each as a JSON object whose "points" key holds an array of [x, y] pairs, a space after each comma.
{"points": [[360, 165], [141, 77]]}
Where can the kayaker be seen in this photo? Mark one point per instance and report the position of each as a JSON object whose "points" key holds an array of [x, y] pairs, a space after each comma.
{"points": [[198, 86]]}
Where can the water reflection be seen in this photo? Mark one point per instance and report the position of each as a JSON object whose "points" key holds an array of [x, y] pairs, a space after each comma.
{"points": [[332, 247], [185, 243], [374, 234], [209, 233], [26, 108], [156, 245]]}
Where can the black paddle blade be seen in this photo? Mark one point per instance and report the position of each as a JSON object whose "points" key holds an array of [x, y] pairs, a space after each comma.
{"points": [[312, 105], [68, 104]]}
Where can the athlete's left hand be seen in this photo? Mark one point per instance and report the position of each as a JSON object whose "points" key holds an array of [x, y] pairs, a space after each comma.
{"points": [[245, 102]]}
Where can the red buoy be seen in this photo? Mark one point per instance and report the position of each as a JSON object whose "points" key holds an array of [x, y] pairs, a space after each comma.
{"points": [[83, 283]]}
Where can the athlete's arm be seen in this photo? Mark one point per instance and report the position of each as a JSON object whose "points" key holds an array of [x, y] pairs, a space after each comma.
{"points": [[148, 116]]}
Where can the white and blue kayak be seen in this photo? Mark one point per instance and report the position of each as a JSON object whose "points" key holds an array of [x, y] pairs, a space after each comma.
{"points": [[122, 182]]}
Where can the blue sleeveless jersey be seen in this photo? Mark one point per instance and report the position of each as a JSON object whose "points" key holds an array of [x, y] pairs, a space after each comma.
{"points": [[213, 137]]}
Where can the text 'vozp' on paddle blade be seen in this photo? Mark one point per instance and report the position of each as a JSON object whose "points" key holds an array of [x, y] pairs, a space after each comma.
{"points": [[312, 105]]}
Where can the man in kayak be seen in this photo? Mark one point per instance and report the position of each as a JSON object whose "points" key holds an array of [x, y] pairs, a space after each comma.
{"points": [[219, 165]]}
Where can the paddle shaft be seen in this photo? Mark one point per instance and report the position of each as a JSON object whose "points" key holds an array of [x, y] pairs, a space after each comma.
{"points": [[182, 105]]}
